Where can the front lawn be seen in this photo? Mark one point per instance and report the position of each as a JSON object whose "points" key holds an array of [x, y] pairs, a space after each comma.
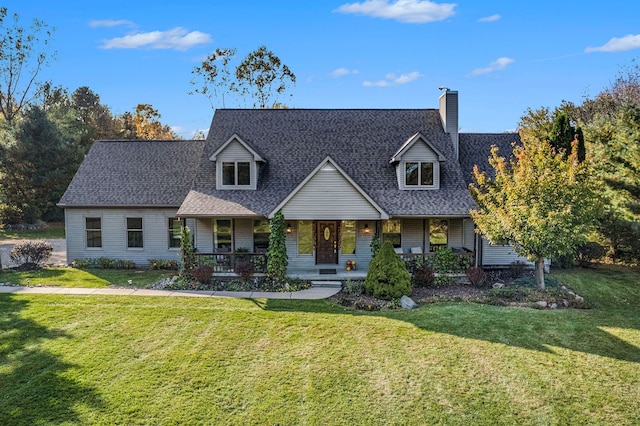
{"points": [[85, 278], [145, 360]]}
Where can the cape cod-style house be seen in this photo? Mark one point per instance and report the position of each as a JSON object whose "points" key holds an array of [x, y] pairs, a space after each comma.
{"points": [[339, 176]]}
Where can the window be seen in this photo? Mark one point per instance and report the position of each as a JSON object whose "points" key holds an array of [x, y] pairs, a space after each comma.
{"points": [[391, 232], [93, 226], [236, 173], [222, 235], [438, 229], [134, 232], [305, 237], [348, 232], [418, 174], [261, 233], [175, 232]]}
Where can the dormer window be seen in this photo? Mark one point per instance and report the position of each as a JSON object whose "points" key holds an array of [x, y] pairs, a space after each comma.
{"points": [[419, 174], [237, 173]]}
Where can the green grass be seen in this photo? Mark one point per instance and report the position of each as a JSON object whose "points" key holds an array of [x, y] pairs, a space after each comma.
{"points": [[144, 360], [52, 230], [86, 278]]}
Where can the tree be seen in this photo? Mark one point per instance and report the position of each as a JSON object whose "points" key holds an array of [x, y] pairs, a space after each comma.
{"points": [[36, 168], [563, 134], [23, 54], [264, 77], [147, 123], [261, 76], [540, 201]]}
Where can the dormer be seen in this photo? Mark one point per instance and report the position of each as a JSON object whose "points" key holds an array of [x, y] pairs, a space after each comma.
{"points": [[236, 165], [418, 164]]}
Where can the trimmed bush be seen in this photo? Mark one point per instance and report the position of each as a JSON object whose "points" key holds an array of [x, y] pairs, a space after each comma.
{"points": [[159, 264], [445, 261], [588, 253], [245, 269], [202, 274], [34, 252], [423, 277], [388, 277], [476, 275]]}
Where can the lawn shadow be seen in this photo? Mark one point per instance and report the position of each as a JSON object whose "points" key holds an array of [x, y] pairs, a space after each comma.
{"points": [[35, 387], [534, 329]]}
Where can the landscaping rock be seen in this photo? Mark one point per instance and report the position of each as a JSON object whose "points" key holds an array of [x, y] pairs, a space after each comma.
{"points": [[565, 303], [542, 303], [498, 285], [407, 303], [579, 298], [554, 306]]}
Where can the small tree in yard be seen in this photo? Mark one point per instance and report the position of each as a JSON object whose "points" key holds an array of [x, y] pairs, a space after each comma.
{"points": [[31, 254], [388, 277], [277, 259], [541, 201]]}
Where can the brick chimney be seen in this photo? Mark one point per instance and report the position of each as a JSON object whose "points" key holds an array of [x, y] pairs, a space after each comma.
{"points": [[449, 115]]}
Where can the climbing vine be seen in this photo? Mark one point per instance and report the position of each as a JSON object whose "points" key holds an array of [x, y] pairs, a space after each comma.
{"points": [[277, 259]]}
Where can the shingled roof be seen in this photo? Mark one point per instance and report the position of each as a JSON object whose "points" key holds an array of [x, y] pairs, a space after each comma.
{"points": [[134, 174], [295, 141], [475, 149]]}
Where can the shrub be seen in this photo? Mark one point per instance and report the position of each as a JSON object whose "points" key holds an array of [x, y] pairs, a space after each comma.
{"points": [[589, 252], [423, 277], [517, 268], [354, 288], [445, 262], [277, 259], [34, 252], [245, 269], [388, 277], [81, 263], [476, 275], [202, 274], [159, 264]]}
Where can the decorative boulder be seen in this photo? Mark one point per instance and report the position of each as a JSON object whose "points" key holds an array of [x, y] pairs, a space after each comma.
{"points": [[407, 303]]}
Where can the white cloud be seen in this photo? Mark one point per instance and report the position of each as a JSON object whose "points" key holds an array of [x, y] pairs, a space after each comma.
{"points": [[393, 80], [409, 11], [342, 72], [176, 38], [110, 23], [491, 18], [628, 42], [497, 65]]}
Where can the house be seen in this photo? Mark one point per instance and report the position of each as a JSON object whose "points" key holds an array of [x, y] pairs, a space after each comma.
{"points": [[339, 176]]}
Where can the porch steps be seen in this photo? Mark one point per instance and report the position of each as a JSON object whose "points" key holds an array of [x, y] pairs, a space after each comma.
{"points": [[325, 284]]}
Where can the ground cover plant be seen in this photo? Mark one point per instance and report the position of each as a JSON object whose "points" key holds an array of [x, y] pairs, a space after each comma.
{"points": [[146, 360]]}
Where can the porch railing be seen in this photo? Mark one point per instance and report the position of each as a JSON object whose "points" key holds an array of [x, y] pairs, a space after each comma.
{"points": [[227, 262]]}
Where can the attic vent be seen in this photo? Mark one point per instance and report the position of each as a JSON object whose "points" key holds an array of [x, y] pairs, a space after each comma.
{"points": [[328, 168]]}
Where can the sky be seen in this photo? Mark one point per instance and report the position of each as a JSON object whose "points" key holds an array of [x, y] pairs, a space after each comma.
{"points": [[502, 57]]}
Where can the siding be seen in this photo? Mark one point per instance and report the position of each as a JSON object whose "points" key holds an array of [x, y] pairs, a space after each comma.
{"points": [[468, 234], [419, 151], [114, 234], [454, 239], [204, 235], [329, 196], [412, 234], [498, 255], [298, 262], [243, 234]]}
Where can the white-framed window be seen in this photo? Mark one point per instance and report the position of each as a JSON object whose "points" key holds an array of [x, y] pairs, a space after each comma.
{"points": [[392, 232], [419, 174], [348, 237], [305, 237], [93, 230], [134, 233], [261, 232], [222, 232], [175, 232], [236, 173]]}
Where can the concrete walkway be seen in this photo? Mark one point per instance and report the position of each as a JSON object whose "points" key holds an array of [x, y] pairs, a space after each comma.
{"points": [[314, 293]]}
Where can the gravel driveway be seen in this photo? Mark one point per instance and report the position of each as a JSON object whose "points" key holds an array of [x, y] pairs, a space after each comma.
{"points": [[58, 257]]}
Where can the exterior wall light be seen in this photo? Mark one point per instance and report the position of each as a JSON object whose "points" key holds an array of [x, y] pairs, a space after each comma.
{"points": [[289, 230], [366, 229]]}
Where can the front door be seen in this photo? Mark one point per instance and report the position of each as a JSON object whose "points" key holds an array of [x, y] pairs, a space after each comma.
{"points": [[327, 243]]}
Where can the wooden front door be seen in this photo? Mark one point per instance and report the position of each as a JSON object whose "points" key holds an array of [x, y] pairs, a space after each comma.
{"points": [[327, 243]]}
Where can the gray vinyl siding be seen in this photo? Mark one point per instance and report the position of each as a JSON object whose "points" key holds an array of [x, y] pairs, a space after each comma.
{"points": [[329, 196], [468, 234], [412, 234], [155, 234], [454, 239], [243, 234], [235, 151], [204, 235], [298, 262], [498, 255]]}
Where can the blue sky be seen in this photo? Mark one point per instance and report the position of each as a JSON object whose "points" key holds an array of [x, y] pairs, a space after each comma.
{"points": [[502, 57]]}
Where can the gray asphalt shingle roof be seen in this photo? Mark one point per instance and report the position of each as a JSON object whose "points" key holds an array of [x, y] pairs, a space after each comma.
{"points": [[134, 173], [475, 148], [295, 141]]}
